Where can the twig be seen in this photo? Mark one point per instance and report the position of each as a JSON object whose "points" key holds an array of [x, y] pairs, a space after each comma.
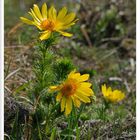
{"points": [[112, 39], [13, 30], [86, 35]]}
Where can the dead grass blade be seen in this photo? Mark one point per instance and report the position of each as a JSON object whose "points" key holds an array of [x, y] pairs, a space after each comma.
{"points": [[11, 74]]}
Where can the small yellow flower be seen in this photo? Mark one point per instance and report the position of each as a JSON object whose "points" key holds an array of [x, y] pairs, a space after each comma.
{"points": [[113, 96], [49, 21], [72, 91]]}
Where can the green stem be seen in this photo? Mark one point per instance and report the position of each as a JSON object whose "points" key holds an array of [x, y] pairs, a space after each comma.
{"points": [[69, 128], [40, 136], [105, 107], [41, 67], [73, 121]]}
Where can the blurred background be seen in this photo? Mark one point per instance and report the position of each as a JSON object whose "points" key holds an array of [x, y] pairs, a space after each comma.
{"points": [[103, 45]]}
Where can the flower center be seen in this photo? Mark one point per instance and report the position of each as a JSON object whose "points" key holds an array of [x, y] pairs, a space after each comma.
{"points": [[69, 89], [47, 25]]}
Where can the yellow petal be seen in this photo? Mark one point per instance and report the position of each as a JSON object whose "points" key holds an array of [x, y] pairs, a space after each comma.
{"points": [[83, 77], [86, 91], [82, 97], [45, 36], [118, 95], [109, 89], [53, 88], [68, 106], [52, 13], [27, 21], [73, 74], [37, 12], [34, 16], [108, 92], [122, 96], [59, 96], [63, 103], [62, 13], [44, 10], [64, 27], [77, 103], [104, 90], [65, 34], [86, 84], [69, 18], [36, 24]]}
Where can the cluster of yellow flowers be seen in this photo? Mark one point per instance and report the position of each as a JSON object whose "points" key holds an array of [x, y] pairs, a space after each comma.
{"points": [[75, 89]]}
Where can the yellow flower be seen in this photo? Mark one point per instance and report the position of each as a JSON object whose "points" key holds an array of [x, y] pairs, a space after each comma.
{"points": [[49, 21], [113, 96], [72, 91]]}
